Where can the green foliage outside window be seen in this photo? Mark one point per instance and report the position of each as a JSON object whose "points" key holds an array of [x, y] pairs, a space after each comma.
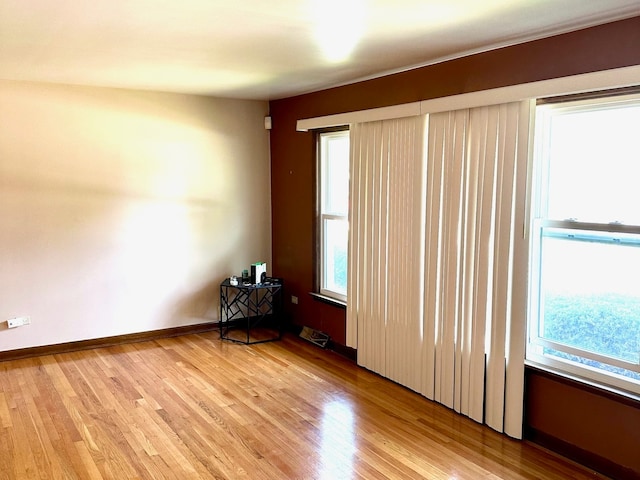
{"points": [[608, 324]]}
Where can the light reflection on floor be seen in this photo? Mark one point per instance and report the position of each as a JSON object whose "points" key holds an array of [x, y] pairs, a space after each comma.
{"points": [[338, 444]]}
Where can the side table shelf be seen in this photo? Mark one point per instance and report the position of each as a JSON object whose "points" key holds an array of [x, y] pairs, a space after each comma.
{"points": [[250, 313]]}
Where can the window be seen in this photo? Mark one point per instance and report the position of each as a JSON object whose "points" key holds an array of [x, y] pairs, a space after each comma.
{"points": [[584, 314], [333, 188]]}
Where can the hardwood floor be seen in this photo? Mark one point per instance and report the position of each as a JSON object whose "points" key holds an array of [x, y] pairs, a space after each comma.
{"points": [[195, 407]]}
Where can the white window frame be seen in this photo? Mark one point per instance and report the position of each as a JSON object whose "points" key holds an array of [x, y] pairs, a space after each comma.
{"points": [[570, 228], [323, 216]]}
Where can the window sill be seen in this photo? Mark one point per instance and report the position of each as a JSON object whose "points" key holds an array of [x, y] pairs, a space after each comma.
{"points": [[325, 299], [587, 384]]}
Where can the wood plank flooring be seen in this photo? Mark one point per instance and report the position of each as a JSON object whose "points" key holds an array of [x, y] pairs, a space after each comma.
{"points": [[195, 407]]}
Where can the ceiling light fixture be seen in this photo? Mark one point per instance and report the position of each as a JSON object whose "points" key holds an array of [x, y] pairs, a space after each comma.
{"points": [[339, 26]]}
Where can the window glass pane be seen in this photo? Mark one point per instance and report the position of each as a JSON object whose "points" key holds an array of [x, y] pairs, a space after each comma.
{"points": [[335, 173], [335, 254], [334, 211], [589, 294], [593, 159], [585, 294]]}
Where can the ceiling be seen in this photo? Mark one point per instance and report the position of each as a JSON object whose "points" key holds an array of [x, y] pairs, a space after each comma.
{"points": [[257, 49]]}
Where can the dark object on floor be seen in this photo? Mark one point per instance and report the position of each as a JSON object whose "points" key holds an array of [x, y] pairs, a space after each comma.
{"points": [[314, 336]]}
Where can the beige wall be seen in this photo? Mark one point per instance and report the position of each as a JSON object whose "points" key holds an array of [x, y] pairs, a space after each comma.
{"points": [[121, 211]]}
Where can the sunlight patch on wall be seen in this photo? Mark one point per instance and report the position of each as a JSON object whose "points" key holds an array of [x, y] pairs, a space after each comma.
{"points": [[154, 252]]}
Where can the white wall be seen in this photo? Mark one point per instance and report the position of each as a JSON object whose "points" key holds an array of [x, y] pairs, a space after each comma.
{"points": [[121, 211]]}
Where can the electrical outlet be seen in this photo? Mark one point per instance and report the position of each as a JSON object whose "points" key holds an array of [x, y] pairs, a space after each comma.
{"points": [[294, 299], [18, 322]]}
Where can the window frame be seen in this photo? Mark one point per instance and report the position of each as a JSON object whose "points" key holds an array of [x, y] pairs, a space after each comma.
{"points": [[598, 232], [320, 267]]}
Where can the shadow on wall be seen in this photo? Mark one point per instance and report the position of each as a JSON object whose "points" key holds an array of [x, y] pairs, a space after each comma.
{"points": [[200, 306], [118, 208]]}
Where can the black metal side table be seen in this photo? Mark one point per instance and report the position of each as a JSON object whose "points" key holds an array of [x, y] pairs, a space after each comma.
{"points": [[250, 313]]}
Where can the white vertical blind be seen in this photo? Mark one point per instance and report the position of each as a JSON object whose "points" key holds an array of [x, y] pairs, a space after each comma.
{"points": [[517, 321], [473, 226], [367, 251], [436, 297], [385, 260], [445, 163], [403, 145]]}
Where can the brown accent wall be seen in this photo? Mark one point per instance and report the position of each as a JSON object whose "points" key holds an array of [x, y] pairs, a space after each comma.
{"points": [[604, 47], [597, 428]]}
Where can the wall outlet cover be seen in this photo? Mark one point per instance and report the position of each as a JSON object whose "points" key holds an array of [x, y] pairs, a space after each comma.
{"points": [[18, 322]]}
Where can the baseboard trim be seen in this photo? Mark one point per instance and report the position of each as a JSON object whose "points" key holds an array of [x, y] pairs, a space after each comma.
{"points": [[347, 352], [583, 457], [106, 341]]}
